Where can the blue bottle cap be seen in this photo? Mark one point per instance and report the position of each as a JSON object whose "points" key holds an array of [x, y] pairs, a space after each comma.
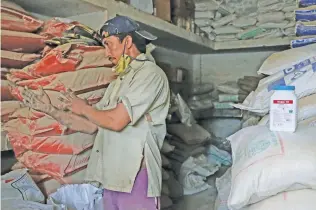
{"points": [[283, 87]]}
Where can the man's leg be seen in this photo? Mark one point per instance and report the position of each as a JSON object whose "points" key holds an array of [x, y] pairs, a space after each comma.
{"points": [[110, 200], [137, 199]]}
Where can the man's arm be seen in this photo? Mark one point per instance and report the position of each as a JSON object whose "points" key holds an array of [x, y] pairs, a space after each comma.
{"points": [[72, 121], [115, 119]]}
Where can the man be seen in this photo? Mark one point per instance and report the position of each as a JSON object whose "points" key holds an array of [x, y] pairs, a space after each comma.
{"points": [[130, 120]]}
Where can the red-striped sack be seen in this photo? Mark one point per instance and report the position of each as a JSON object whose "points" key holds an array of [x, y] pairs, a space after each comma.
{"points": [[44, 126], [78, 80], [72, 144], [21, 41], [55, 27], [51, 185], [92, 97], [27, 113], [17, 21], [17, 60], [9, 107], [66, 58], [6, 94], [55, 165]]}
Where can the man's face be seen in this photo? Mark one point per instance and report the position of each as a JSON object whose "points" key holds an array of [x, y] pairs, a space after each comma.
{"points": [[114, 48]]}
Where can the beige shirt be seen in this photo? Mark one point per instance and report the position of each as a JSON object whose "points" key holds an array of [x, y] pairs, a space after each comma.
{"points": [[117, 156]]}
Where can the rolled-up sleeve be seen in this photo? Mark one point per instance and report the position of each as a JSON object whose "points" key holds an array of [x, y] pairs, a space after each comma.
{"points": [[143, 92]]}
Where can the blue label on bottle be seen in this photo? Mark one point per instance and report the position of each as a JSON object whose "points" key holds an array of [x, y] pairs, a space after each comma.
{"points": [[280, 82]]}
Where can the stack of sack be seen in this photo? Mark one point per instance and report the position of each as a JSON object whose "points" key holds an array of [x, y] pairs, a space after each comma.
{"points": [[263, 175], [243, 20], [294, 67], [305, 28], [53, 153], [19, 47], [277, 171], [218, 115], [172, 191]]}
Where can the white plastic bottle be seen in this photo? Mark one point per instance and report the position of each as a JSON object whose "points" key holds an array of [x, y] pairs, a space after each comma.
{"points": [[283, 109]]}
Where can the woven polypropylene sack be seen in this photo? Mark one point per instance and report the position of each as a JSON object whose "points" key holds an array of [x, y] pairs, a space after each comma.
{"points": [[9, 107], [286, 59], [194, 134], [302, 75], [51, 185], [18, 184], [55, 165], [78, 80], [6, 94], [21, 41], [17, 21], [16, 60], [43, 126], [55, 27], [71, 144], [298, 200], [271, 163], [67, 58]]}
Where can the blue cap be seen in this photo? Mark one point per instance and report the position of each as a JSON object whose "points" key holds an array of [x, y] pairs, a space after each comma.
{"points": [[124, 25], [283, 87]]}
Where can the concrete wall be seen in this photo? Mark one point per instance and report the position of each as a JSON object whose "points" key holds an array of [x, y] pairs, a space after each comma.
{"points": [[176, 59], [228, 66]]}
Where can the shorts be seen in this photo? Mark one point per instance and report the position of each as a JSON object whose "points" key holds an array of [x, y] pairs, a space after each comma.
{"points": [[136, 200]]}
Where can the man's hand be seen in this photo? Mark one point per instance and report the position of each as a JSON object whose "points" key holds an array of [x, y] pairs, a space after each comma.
{"points": [[38, 101], [73, 103]]}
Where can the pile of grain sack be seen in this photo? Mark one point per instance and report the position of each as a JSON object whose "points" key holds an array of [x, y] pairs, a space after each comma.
{"points": [[243, 20], [52, 56], [305, 28], [275, 170]]}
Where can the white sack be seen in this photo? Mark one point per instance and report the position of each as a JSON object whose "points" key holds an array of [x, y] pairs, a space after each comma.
{"points": [[274, 17], [302, 75], [243, 22], [204, 14], [290, 8], [227, 30], [289, 31], [18, 184], [272, 33], [207, 29], [271, 8], [193, 174], [223, 21], [283, 24], [266, 163], [223, 185], [78, 197], [29, 205], [205, 5], [298, 200], [264, 3], [202, 22], [287, 59]]}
